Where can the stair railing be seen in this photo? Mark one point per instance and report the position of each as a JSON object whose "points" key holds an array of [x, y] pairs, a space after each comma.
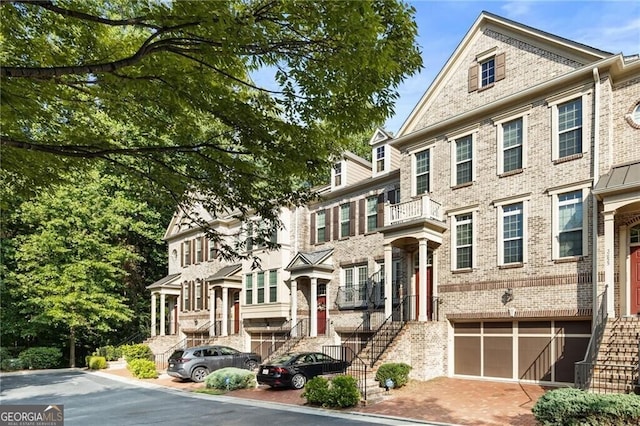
{"points": [[584, 369], [163, 358], [390, 328]]}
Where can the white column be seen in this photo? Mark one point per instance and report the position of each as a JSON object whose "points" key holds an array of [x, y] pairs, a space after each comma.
{"points": [[313, 308], [212, 311], [422, 303], [153, 314], [609, 255], [388, 280], [294, 306], [172, 315], [225, 311], [434, 278], [163, 325]]}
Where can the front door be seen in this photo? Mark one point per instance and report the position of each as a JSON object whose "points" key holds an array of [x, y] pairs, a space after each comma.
{"points": [[322, 315], [635, 280], [236, 314]]}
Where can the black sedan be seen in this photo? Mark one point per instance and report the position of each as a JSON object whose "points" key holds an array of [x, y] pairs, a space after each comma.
{"points": [[294, 369], [196, 363]]}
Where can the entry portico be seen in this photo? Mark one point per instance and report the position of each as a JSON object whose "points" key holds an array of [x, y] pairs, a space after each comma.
{"points": [[167, 290]]}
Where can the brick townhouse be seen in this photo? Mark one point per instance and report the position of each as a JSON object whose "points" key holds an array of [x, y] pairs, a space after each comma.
{"points": [[501, 225]]}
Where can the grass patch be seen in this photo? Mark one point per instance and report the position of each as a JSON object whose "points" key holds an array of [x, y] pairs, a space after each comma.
{"points": [[211, 391]]}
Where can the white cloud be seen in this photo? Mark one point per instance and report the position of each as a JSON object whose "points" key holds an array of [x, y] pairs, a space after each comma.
{"points": [[516, 9]]}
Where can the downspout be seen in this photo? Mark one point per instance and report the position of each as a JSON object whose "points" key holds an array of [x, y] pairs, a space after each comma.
{"points": [[594, 209]]}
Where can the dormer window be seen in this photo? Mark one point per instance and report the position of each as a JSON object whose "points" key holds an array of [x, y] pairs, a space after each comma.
{"points": [[488, 69], [337, 174], [380, 159]]}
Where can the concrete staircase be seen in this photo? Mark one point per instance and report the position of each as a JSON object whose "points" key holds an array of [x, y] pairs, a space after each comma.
{"points": [[617, 364], [160, 344]]}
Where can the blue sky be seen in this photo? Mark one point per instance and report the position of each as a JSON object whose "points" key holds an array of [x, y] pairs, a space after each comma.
{"points": [[612, 26]]}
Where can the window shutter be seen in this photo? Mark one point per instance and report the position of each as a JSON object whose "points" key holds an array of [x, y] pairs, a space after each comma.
{"points": [[182, 255], [312, 229], [205, 249], [327, 225], [380, 210], [473, 78], [181, 299], [500, 67], [352, 218], [336, 223], [205, 291], [216, 250], [362, 216]]}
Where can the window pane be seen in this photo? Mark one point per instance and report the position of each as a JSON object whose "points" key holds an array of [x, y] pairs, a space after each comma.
{"points": [[512, 145], [362, 283], [249, 289], [512, 232], [348, 285], [488, 72], [273, 286], [570, 128], [463, 159], [635, 234], [320, 226], [372, 213], [344, 220], [422, 172], [512, 159], [463, 257], [513, 251], [260, 287], [570, 243]]}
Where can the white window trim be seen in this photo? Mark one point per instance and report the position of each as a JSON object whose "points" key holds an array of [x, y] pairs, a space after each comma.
{"points": [[525, 232], [343, 174], [386, 158], [356, 283], [553, 103], [499, 121], [454, 235], [324, 225], [414, 189], [451, 138], [584, 187]]}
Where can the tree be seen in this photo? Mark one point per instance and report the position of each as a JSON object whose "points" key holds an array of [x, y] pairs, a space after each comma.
{"points": [[168, 92], [78, 259]]}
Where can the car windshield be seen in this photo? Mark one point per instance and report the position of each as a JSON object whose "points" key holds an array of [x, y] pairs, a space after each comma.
{"points": [[284, 359], [176, 355]]}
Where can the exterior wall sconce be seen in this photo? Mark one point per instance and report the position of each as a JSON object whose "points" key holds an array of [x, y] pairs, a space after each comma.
{"points": [[507, 296]]}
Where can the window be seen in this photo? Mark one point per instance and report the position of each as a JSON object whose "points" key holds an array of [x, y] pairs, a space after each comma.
{"points": [[464, 155], [321, 226], [512, 233], [337, 174], [354, 291], [634, 235], [213, 250], [463, 241], [512, 144], [249, 234], [199, 252], [198, 295], [570, 224], [635, 116], [344, 220], [186, 251], [260, 287], [273, 286], [488, 72], [380, 159], [249, 289], [185, 297], [570, 128], [422, 167], [372, 213]]}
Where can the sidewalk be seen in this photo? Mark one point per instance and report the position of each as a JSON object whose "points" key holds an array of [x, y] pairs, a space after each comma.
{"points": [[442, 400]]}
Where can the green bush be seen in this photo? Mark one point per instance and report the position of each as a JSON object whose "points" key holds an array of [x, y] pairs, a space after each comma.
{"points": [[96, 362], [398, 372], [110, 353], [40, 357], [231, 378], [137, 351], [575, 407], [316, 391], [341, 391], [10, 364], [143, 368]]}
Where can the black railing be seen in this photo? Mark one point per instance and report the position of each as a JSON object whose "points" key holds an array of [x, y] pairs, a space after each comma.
{"points": [[138, 337], [584, 369], [368, 295], [289, 336], [163, 359], [390, 328], [356, 367]]}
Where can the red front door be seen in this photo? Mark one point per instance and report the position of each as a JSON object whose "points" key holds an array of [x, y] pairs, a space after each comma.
{"points": [[322, 315], [417, 294], [236, 316], [635, 280]]}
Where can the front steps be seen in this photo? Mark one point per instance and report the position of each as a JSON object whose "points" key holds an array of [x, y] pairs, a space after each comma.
{"points": [[616, 367]]}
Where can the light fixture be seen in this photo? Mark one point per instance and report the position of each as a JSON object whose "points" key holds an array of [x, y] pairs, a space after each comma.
{"points": [[507, 296]]}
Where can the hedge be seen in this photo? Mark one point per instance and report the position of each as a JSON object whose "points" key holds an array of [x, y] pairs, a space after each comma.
{"points": [[397, 372], [40, 357], [340, 392], [231, 378]]}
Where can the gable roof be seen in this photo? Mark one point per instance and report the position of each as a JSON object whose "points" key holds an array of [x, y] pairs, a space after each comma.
{"points": [[168, 281], [304, 260], [225, 272]]}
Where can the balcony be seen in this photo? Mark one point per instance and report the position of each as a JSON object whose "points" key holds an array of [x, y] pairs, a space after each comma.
{"points": [[421, 208]]}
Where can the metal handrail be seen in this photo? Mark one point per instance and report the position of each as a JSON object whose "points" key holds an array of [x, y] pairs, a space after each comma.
{"points": [[389, 329], [584, 369]]}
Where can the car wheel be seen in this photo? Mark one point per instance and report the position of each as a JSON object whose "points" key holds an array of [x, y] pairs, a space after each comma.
{"points": [[198, 375], [298, 381], [251, 365]]}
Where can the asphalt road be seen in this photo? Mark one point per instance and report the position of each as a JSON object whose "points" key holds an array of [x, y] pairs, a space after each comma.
{"points": [[91, 399]]}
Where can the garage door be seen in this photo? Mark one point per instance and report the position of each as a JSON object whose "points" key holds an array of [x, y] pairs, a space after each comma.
{"points": [[524, 350], [265, 344]]}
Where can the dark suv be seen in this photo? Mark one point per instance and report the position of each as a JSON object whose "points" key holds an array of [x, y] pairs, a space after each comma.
{"points": [[196, 363]]}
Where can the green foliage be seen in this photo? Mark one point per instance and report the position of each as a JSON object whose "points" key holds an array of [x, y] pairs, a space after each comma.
{"points": [[96, 362], [398, 372], [164, 93], [231, 378], [110, 353], [571, 406], [341, 391], [40, 357], [143, 368], [137, 351]]}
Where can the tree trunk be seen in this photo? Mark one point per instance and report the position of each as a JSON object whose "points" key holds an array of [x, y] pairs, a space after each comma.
{"points": [[72, 348]]}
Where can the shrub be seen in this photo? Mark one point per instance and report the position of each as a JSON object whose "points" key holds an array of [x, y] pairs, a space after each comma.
{"points": [[110, 353], [341, 391], [398, 372], [143, 368], [96, 362], [137, 351], [231, 378], [40, 357], [575, 407], [10, 364]]}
